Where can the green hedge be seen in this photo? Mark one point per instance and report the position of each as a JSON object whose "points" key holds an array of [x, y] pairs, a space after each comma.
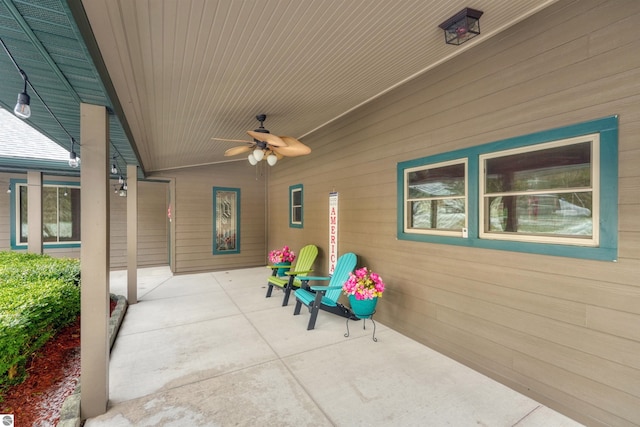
{"points": [[38, 296]]}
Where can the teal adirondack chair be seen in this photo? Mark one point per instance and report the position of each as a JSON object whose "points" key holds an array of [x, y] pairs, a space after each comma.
{"points": [[326, 297], [302, 267]]}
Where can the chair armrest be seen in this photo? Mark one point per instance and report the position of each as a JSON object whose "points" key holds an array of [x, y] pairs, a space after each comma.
{"points": [[316, 278], [324, 288], [294, 273]]}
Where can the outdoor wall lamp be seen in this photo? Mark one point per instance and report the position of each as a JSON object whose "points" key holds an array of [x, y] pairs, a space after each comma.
{"points": [[461, 27]]}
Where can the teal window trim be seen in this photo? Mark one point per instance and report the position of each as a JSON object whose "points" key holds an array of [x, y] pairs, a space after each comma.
{"points": [[13, 184], [607, 250], [292, 189], [220, 215]]}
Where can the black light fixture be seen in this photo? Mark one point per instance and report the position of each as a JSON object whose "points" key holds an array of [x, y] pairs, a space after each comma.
{"points": [[9, 189], [74, 161], [22, 108], [461, 27], [114, 169]]}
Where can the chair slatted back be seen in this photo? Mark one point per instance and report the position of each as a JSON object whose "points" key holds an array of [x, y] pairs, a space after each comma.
{"points": [[345, 265]]}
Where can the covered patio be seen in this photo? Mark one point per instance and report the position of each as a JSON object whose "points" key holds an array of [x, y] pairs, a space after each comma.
{"points": [[209, 349]]}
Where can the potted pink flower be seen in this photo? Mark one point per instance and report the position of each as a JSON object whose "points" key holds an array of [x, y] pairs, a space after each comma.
{"points": [[283, 257], [363, 287]]}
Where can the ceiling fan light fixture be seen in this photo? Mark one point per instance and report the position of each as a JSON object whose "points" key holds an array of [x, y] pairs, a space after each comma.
{"points": [[272, 159], [258, 154], [252, 160]]}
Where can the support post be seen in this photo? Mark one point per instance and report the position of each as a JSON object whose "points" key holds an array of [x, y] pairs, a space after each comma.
{"points": [[94, 260], [132, 234], [34, 213]]}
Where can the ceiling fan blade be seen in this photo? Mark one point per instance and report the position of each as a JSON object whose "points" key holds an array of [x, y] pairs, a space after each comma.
{"points": [[237, 150], [273, 140], [232, 140], [293, 148]]}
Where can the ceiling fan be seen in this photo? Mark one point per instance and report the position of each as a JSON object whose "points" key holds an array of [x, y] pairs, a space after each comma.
{"points": [[266, 146]]}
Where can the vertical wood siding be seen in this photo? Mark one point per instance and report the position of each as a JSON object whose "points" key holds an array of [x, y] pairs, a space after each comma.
{"points": [[564, 331]]}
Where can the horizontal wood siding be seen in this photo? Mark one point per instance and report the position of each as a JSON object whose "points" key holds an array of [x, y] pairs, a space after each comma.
{"points": [[153, 233], [564, 331], [193, 215]]}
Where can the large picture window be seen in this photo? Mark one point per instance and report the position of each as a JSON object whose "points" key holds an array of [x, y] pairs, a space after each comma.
{"points": [[436, 198], [553, 192], [545, 193], [60, 214]]}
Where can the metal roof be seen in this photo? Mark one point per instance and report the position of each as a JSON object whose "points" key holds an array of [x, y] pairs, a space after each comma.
{"points": [[45, 42]]}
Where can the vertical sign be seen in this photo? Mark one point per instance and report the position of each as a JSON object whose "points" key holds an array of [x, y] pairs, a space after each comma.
{"points": [[333, 231]]}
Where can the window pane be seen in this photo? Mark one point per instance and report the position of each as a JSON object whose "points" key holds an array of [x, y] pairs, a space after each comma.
{"points": [[296, 214], [561, 167], [69, 214], [24, 228], [436, 182], [444, 214], [50, 214], [568, 214], [296, 196]]}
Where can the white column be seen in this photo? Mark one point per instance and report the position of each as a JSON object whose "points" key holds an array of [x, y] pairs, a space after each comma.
{"points": [[34, 212], [94, 260], [132, 234]]}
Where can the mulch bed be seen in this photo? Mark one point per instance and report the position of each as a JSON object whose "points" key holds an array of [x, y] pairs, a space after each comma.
{"points": [[53, 372]]}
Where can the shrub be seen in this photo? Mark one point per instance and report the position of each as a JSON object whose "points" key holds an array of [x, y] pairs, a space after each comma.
{"points": [[38, 296]]}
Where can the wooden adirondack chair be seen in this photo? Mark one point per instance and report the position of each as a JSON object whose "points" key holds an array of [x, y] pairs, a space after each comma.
{"points": [[326, 297], [302, 267]]}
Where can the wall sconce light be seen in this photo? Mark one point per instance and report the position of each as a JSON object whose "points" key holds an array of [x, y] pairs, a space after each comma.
{"points": [[123, 191], [9, 190], [114, 169], [22, 108], [461, 27]]}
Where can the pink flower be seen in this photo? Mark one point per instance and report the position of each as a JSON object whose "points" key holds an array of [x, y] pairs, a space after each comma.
{"points": [[364, 284], [282, 255]]}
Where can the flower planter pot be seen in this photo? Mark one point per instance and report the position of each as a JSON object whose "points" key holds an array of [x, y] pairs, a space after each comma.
{"points": [[284, 267], [363, 308]]}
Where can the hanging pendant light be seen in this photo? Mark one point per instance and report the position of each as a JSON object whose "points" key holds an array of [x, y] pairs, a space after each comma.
{"points": [[22, 108], [74, 161]]}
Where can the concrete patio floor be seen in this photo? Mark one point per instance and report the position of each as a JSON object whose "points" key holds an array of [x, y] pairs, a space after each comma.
{"points": [[210, 350]]}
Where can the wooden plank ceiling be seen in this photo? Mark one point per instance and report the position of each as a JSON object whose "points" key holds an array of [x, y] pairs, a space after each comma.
{"points": [[185, 71]]}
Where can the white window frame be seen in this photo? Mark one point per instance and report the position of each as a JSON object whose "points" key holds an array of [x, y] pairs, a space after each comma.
{"points": [[18, 220], [593, 241], [298, 188], [407, 200]]}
